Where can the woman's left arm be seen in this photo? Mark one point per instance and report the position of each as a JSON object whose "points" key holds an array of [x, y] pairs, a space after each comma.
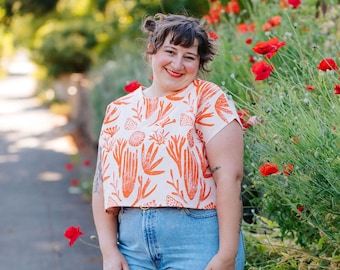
{"points": [[225, 156]]}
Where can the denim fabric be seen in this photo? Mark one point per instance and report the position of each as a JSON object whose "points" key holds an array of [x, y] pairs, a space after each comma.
{"points": [[170, 238]]}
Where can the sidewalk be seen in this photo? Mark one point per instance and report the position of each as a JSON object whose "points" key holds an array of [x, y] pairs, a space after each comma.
{"points": [[35, 205]]}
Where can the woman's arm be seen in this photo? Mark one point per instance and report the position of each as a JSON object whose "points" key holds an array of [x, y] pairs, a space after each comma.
{"points": [[225, 156], [106, 225]]}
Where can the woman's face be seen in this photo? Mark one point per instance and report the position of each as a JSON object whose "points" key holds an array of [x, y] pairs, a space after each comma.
{"points": [[174, 67]]}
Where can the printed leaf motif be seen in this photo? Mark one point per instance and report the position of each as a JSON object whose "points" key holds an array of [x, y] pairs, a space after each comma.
{"points": [[148, 162], [221, 107], [118, 153], [201, 115], [151, 106], [190, 174], [129, 175], [110, 115], [175, 151]]}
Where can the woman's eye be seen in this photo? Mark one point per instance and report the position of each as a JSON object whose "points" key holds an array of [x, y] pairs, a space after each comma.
{"points": [[169, 52], [190, 58]]}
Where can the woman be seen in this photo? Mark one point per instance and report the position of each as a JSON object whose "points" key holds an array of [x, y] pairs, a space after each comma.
{"points": [[166, 192]]}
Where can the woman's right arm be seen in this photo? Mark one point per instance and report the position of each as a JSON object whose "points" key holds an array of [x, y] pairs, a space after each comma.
{"points": [[106, 225]]}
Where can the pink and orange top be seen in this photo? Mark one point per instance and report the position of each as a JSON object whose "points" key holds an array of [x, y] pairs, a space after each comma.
{"points": [[152, 150]]}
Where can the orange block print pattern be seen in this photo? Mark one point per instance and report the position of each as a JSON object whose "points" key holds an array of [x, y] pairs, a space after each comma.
{"points": [[153, 149]]}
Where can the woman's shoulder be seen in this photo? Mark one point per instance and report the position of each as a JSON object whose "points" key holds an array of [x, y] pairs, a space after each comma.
{"points": [[204, 86], [127, 99]]}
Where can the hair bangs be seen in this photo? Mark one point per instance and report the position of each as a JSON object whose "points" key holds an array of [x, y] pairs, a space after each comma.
{"points": [[183, 35]]}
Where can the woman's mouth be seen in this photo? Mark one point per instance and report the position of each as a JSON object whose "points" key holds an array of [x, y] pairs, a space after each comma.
{"points": [[173, 73]]}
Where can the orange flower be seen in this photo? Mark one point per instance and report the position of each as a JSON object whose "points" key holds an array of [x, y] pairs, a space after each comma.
{"points": [[275, 21], [288, 169], [269, 169], [272, 22], [327, 64], [283, 4], [72, 233], [295, 139], [266, 27], [233, 7], [245, 28], [132, 86], [262, 70]]}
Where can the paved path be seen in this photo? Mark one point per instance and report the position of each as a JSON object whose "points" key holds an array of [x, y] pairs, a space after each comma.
{"points": [[35, 205]]}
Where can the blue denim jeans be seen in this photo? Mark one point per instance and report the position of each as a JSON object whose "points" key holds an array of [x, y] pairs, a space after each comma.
{"points": [[170, 238]]}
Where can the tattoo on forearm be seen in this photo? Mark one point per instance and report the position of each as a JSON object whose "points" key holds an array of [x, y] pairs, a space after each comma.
{"points": [[215, 169], [98, 173]]}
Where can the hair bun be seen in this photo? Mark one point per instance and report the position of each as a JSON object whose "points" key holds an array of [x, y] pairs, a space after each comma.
{"points": [[150, 25]]}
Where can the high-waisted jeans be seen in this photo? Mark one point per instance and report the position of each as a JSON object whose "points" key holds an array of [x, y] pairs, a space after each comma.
{"points": [[170, 238]]}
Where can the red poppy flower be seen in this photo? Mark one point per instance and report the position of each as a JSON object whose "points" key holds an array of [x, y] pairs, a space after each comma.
{"points": [[251, 59], [242, 113], [69, 166], [268, 47], [310, 88], [213, 35], [275, 21], [72, 233], [74, 183], [288, 169], [87, 163], [268, 169], [327, 64], [248, 41], [301, 208], [294, 3], [132, 86], [262, 70], [337, 89]]}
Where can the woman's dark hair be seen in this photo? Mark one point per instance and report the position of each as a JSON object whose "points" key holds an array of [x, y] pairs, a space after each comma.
{"points": [[184, 31]]}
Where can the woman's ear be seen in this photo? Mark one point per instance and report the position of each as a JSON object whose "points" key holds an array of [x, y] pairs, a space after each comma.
{"points": [[150, 47]]}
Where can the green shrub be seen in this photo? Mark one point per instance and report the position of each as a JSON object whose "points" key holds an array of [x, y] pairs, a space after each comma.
{"points": [[110, 78], [65, 46]]}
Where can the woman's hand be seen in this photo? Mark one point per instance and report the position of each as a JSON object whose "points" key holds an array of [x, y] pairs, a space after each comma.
{"points": [[221, 263], [115, 261]]}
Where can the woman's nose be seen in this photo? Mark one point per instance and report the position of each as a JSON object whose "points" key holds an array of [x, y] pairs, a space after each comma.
{"points": [[177, 63]]}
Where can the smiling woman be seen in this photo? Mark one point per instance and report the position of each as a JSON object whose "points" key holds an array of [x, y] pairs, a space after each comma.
{"points": [[170, 161]]}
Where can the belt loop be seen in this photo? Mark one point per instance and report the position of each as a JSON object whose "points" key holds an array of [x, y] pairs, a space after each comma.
{"points": [[144, 208]]}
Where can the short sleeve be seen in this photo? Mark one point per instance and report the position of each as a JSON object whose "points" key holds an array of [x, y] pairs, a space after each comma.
{"points": [[215, 111]]}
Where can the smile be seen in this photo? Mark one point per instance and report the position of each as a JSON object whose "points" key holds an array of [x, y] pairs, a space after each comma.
{"points": [[173, 73]]}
